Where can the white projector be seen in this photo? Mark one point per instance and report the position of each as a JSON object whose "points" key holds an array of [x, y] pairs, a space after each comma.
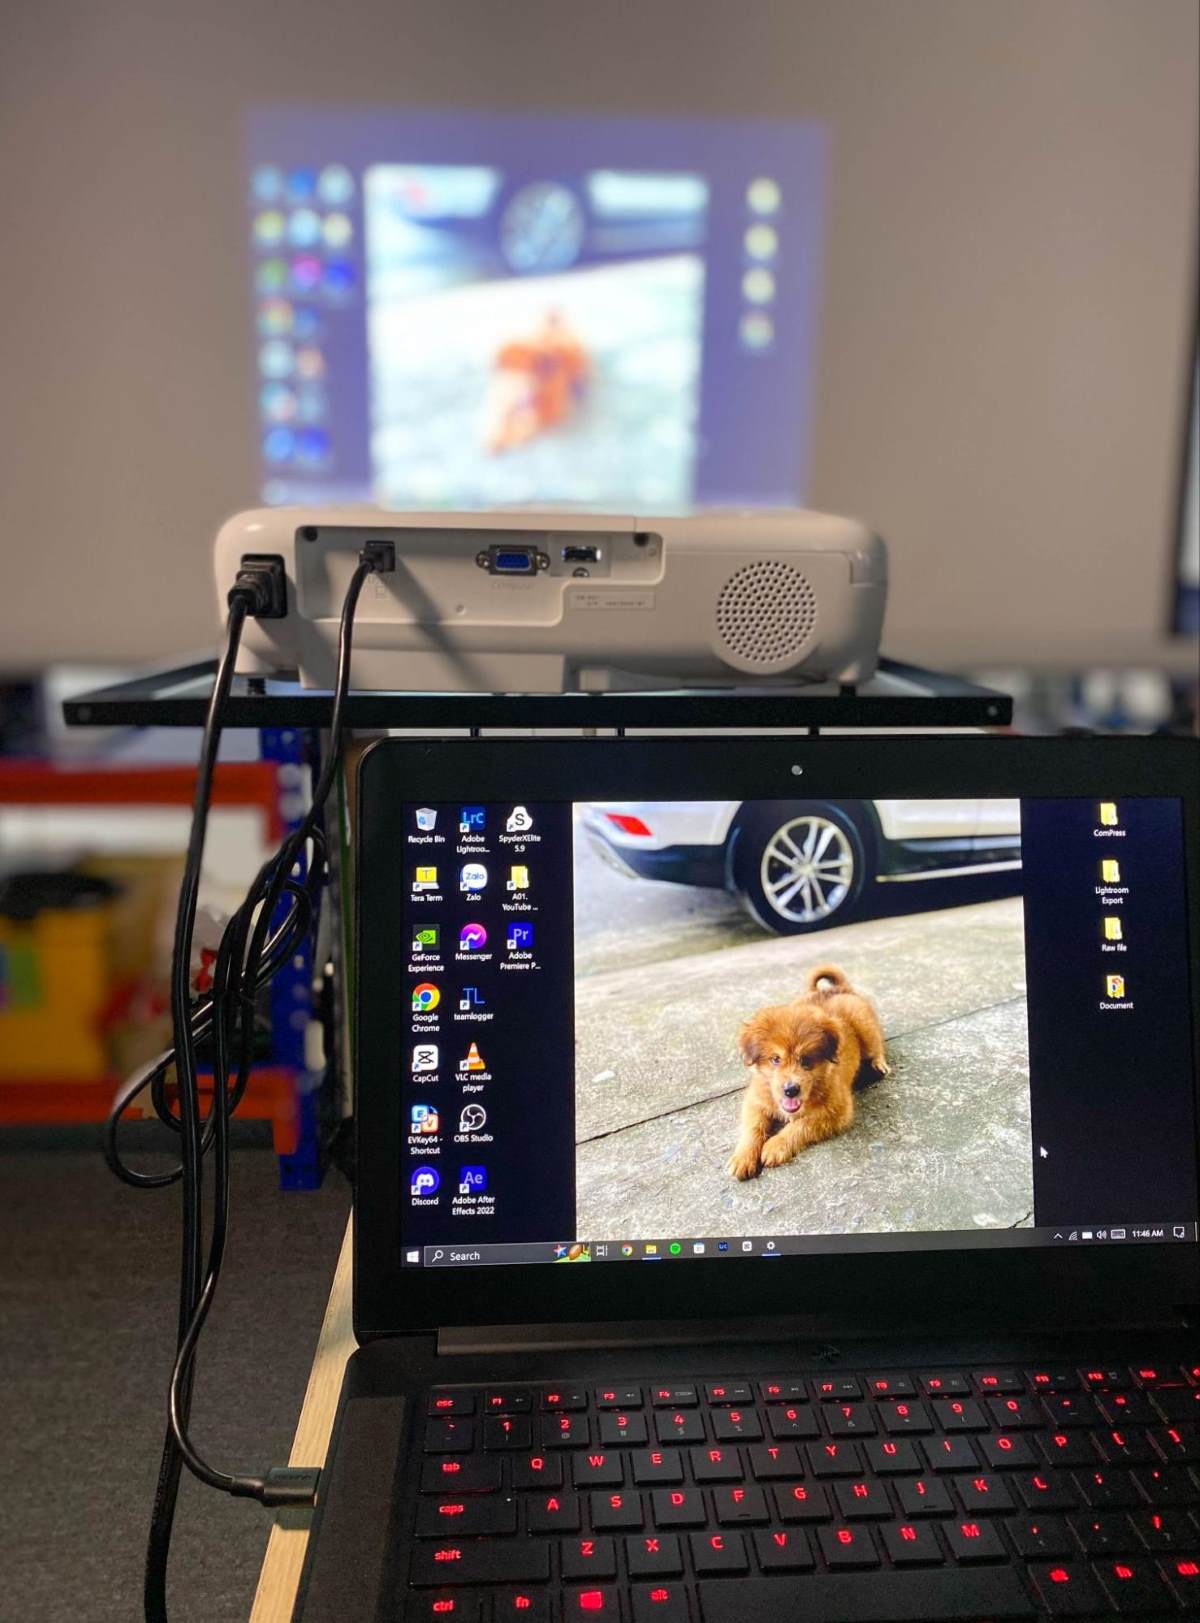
{"points": [[556, 602]]}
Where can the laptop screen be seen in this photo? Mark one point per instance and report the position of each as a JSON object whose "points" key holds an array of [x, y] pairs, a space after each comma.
{"points": [[649, 1031]]}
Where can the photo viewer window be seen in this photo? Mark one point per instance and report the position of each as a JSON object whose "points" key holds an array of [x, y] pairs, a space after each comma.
{"points": [[458, 310]]}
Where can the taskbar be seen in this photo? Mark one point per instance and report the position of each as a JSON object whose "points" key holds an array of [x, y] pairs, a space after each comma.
{"points": [[459, 1255]]}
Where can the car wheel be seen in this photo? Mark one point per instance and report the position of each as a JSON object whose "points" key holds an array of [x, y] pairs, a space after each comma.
{"points": [[800, 867]]}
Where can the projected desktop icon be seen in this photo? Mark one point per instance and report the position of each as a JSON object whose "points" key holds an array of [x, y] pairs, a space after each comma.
{"points": [[1112, 928], [520, 936], [474, 876], [472, 1181], [426, 819], [424, 1058], [426, 1181], [472, 998], [1115, 985], [472, 820], [472, 937], [474, 1060], [1110, 871], [518, 821], [424, 1119], [1108, 813], [426, 939], [473, 1118], [518, 877], [425, 879], [425, 997]]}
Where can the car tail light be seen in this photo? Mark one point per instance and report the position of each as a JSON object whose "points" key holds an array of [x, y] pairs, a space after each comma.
{"points": [[629, 825]]}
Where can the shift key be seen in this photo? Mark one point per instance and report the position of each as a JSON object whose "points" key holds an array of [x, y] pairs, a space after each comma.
{"points": [[480, 1561]]}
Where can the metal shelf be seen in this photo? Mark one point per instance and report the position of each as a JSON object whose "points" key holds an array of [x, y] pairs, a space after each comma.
{"points": [[900, 695]]}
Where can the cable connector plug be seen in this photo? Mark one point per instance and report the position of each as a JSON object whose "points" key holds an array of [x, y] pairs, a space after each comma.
{"points": [[293, 1486], [381, 555], [262, 582]]}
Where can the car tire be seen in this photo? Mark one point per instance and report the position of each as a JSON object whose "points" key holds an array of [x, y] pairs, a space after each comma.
{"points": [[800, 866]]}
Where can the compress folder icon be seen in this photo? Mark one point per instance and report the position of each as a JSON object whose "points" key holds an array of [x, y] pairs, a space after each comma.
{"points": [[1108, 813], [1110, 871]]}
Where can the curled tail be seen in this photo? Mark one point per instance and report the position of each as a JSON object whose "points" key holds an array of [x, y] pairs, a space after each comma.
{"points": [[827, 979]]}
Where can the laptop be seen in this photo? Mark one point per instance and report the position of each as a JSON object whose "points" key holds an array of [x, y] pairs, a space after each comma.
{"points": [[777, 1183]]}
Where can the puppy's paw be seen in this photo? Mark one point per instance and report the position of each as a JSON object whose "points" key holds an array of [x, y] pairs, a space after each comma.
{"points": [[880, 1066], [777, 1151], [743, 1163]]}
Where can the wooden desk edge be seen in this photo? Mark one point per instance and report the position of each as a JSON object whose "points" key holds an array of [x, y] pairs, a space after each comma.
{"points": [[279, 1579]]}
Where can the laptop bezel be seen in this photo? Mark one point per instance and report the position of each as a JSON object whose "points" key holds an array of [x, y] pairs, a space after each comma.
{"points": [[1117, 1284]]}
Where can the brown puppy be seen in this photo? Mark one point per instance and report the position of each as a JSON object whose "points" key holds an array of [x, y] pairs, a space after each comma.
{"points": [[805, 1057]]}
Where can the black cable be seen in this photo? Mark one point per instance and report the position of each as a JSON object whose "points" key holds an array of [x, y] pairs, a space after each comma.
{"points": [[249, 953]]}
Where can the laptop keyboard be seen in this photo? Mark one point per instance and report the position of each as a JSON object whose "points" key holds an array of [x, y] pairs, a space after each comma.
{"points": [[836, 1498]]}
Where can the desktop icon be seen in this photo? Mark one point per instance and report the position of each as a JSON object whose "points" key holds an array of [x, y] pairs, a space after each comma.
{"points": [[1179, 1231], [747, 1245], [472, 1181], [426, 819], [425, 879], [1115, 985], [698, 1248], [520, 936], [627, 1251], [560, 1252], [425, 1057], [1110, 871], [425, 997], [1108, 813], [518, 821], [472, 937], [474, 876], [674, 1248], [651, 1249], [426, 938], [426, 1181], [1112, 927], [472, 998], [472, 819], [473, 1118], [722, 1245], [518, 878], [474, 1060], [424, 1119], [412, 1256]]}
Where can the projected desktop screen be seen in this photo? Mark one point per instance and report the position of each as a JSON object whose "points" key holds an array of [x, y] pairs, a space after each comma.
{"points": [[464, 309]]}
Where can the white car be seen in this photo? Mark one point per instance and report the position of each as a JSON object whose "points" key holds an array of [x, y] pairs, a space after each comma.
{"points": [[803, 865]]}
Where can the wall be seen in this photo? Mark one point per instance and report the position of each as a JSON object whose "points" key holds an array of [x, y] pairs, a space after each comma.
{"points": [[1009, 281]]}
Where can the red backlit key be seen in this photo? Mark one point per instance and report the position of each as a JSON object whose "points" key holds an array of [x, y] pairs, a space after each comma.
{"points": [[950, 1454], [924, 1496], [911, 1544], [553, 1513], [1013, 1414], [619, 1397], [774, 1462], [674, 1397], [890, 1386], [449, 1436], [1046, 1490], [1165, 1485], [992, 1383], [537, 1471], [455, 1475], [1041, 1535], [740, 1507], [622, 1429], [1097, 1379], [1105, 1489], [1067, 1588], [1129, 1408], [1182, 1572], [983, 1494], [734, 1392], [678, 1507], [565, 1431], [571, 1398], [521, 1606], [1007, 1451], [730, 1424], [941, 1383], [654, 1555], [1133, 1583], [802, 1502], [849, 1420], [597, 1470], [679, 1426], [1067, 1409], [452, 1608], [616, 1512], [1067, 1448], [975, 1539], [833, 1459], [905, 1417], [1103, 1532], [449, 1403], [714, 1554], [502, 1432], [1053, 1380], [836, 1388], [652, 1466], [862, 1499], [1175, 1403], [584, 1557], [847, 1547], [717, 1464], [588, 1603], [784, 1550], [507, 1401], [792, 1420], [896, 1457], [1177, 1444], [783, 1391], [1163, 1529], [466, 1518], [660, 1603], [507, 1561]]}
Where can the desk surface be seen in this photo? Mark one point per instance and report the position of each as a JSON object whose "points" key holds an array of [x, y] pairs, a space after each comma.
{"points": [[280, 1576]]}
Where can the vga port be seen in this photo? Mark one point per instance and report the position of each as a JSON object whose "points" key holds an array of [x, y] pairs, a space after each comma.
{"points": [[503, 559]]}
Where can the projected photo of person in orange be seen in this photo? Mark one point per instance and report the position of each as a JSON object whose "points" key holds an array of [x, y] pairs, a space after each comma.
{"points": [[537, 384]]}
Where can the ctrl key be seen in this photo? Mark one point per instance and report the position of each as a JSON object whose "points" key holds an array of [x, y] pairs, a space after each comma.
{"points": [[452, 1608]]}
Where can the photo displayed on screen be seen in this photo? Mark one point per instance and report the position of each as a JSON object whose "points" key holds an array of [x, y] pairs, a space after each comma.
{"points": [[470, 310], [720, 1027]]}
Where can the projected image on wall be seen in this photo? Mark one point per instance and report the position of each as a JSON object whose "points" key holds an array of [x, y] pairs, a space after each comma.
{"points": [[532, 342]]}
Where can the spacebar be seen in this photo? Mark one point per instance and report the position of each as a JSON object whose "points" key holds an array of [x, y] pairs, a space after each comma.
{"points": [[867, 1597]]}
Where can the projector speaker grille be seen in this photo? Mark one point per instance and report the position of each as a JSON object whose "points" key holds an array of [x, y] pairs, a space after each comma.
{"points": [[766, 615]]}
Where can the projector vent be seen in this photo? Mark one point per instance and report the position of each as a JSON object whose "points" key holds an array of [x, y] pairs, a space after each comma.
{"points": [[766, 615]]}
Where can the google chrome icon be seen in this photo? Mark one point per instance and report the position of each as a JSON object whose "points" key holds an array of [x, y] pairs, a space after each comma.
{"points": [[425, 997]]}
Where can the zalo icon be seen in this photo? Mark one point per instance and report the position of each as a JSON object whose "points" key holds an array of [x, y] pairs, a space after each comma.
{"points": [[426, 1181], [474, 876]]}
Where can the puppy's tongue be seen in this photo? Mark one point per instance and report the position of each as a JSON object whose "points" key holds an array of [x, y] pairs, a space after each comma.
{"points": [[790, 1105]]}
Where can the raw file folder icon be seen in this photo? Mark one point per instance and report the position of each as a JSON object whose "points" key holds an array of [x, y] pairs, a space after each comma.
{"points": [[1110, 871], [1112, 928]]}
